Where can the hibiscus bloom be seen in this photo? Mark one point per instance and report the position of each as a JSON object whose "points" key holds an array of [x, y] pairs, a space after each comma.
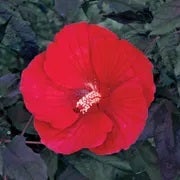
{"points": [[89, 89]]}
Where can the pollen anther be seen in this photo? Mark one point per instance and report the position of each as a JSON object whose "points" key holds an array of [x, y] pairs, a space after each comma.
{"points": [[87, 101]]}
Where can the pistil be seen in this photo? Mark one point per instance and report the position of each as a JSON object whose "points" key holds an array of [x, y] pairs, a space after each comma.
{"points": [[88, 100]]}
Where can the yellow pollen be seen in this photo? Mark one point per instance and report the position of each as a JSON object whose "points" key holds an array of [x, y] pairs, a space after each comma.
{"points": [[87, 101]]}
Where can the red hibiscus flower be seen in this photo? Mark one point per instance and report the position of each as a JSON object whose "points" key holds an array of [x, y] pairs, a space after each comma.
{"points": [[89, 89]]}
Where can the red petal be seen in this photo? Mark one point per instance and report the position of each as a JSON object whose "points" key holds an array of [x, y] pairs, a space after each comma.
{"points": [[128, 108], [110, 64], [69, 56], [90, 131], [117, 61], [67, 59], [142, 68], [43, 99]]}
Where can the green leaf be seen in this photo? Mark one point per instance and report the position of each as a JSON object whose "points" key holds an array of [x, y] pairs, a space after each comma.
{"points": [[136, 34], [165, 79], [43, 19], [9, 92], [71, 174], [5, 127], [143, 158], [177, 69], [126, 17], [112, 25], [21, 163], [51, 160], [100, 167], [167, 49], [3, 29], [68, 9], [1, 161], [6, 83], [166, 18], [19, 116], [121, 5], [177, 66], [8, 60], [168, 93], [178, 87], [176, 123], [19, 35], [93, 12]]}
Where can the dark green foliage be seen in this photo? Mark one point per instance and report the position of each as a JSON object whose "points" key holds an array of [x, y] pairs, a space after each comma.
{"points": [[26, 28], [19, 116], [51, 160], [100, 167], [71, 173]]}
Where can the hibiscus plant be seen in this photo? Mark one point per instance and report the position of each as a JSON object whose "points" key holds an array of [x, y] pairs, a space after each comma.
{"points": [[89, 89]]}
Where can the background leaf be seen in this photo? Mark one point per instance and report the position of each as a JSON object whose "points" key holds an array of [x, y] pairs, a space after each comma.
{"points": [[19, 116], [148, 131], [51, 160], [19, 36], [3, 29], [164, 140], [143, 160], [20, 162], [67, 9], [166, 18], [177, 69], [28, 26], [167, 48], [122, 6], [5, 127], [1, 161], [9, 92], [71, 173], [100, 167]]}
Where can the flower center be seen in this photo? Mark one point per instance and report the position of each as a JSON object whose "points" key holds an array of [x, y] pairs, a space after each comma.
{"points": [[88, 100]]}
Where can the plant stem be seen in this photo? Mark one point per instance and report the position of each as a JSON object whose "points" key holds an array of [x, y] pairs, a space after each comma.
{"points": [[27, 142], [33, 142], [27, 125]]}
